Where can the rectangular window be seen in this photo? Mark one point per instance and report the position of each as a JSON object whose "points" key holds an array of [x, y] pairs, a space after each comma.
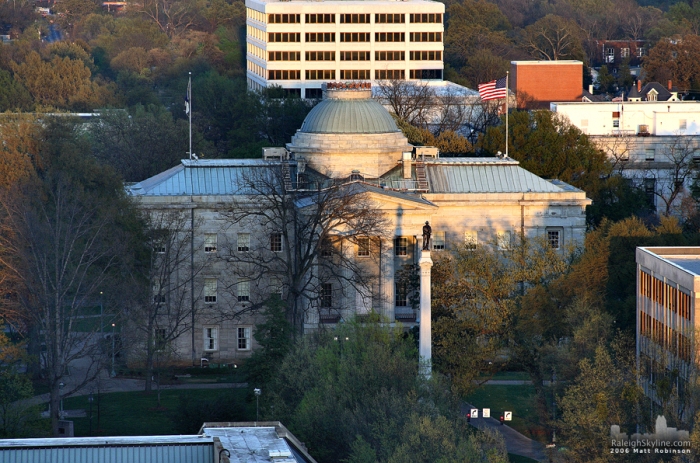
{"points": [[243, 335], [616, 123], [276, 286], [211, 338], [320, 37], [210, 290], [159, 339], [320, 74], [283, 75], [389, 55], [159, 249], [504, 239], [389, 18], [243, 242], [284, 18], [354, 74], [401, 246], [158, 296], [554, 238], [471, 240], [426, 73], [363, 244], [354, 36], [624, 52], [243, 291], [649, 154], [609, 55], [426, 18], [276, 242], [640, 52], [210, 242], [320, 56], [426, 55], [326, 301], [354, 56], [389, 37], [320, 18], [326, 248], [284, 37], [682, 124], [284, 56], [650, 191], [354, 18], [426, 36], [438, 240], [401, 294], [388, 74]]}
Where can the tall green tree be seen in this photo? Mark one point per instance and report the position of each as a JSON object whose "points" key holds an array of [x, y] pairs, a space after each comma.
{"points": [[13, 95], [477, 300], [551, 147], [355, 394], [67, 235], [140, 142]]}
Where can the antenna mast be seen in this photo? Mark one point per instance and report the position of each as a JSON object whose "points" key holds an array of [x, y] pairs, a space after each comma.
{"points": [[188, 109]]}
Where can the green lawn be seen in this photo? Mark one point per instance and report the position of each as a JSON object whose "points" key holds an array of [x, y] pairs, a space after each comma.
{"points": [[520, 400], [137, 413]]}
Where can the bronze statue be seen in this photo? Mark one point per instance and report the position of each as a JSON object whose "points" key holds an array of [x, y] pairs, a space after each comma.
{"points": [[426, 236]]}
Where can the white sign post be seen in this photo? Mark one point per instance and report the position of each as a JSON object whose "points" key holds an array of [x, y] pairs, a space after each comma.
{"points": [[508, 416], [486, 413], [475, 413]]}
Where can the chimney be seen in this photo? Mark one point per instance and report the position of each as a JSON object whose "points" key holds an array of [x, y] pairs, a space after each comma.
{"points": [[639, 86], [590, 89], [670, 87], [406, 158]]}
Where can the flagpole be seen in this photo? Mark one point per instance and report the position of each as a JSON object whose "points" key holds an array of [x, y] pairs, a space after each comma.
{"points": [[507, 74], [189, 99]]}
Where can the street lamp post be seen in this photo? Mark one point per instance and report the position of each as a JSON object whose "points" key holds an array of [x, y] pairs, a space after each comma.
{"points": [[114, 373], [90, 400], [60, 389], [101, 325], [257, 392]]}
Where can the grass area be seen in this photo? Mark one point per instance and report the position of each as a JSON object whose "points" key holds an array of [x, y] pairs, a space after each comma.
{"points": [[138, 413], [520, 400], [518, 459]]}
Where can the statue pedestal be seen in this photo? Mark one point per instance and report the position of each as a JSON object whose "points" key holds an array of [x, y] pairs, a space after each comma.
{"points": [[425, 343]]}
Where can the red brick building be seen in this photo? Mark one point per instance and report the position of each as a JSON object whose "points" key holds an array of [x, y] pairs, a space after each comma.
{"points": [[538, 83]]}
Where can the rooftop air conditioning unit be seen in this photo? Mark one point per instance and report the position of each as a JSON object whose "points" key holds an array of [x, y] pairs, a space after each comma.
{"points": [[274, 154]]}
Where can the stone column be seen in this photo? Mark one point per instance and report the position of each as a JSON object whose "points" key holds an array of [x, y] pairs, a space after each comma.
{"points": [[425, 343], [386, 275]]}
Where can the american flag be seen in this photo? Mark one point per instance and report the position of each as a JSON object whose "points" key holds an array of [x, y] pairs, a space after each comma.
{"points": [[493, 90], [188, 96]]}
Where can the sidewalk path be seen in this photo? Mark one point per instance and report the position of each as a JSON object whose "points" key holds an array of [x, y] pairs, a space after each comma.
{"points": [[117, 384], [516, 443]]}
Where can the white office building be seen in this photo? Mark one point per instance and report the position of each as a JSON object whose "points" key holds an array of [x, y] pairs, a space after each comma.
{"points": [[656, 144], [300, 44]]}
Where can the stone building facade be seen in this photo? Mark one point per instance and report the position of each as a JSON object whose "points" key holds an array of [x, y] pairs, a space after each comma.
{"points": [[348, 141]]}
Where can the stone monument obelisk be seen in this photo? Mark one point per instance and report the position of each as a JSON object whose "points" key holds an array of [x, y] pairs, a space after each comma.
{"points": [[425, 342]]}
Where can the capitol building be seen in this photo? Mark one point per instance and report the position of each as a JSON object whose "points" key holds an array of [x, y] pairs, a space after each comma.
{"points": [[252, 222]]}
